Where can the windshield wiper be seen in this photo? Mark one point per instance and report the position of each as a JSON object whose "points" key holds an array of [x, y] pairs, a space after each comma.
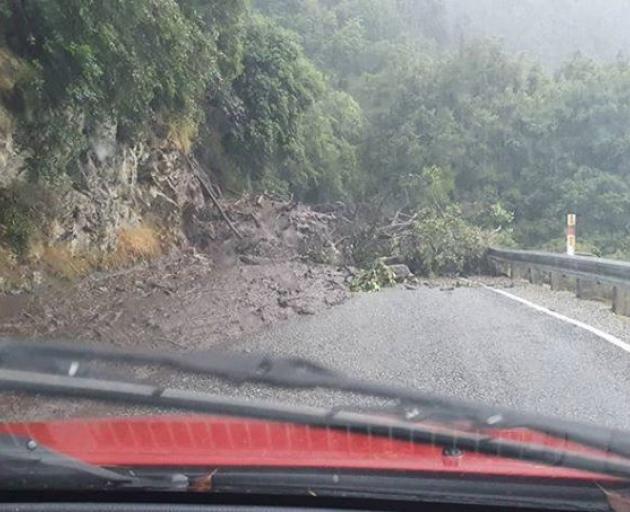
{"points": [[24, 462], [19, 358]]}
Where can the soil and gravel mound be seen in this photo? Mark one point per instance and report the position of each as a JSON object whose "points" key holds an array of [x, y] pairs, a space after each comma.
{"points": [[275, 260]]}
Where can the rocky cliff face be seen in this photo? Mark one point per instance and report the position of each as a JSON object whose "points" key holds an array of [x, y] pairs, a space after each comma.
{"points": [[123, 186], [118, 187]]}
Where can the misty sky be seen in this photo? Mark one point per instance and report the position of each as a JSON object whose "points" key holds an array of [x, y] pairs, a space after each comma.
{"points": [[551, 30]]}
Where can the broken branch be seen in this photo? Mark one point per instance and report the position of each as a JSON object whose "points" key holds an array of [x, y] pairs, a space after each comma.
{"points": [[209, 192]]}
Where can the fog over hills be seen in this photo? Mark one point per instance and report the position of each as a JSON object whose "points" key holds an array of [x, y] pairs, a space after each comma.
{"points": [[550, 30]]}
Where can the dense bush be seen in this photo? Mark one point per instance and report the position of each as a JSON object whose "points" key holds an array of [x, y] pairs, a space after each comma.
{"points": [[277, 85], [122, 61], [443, 242]]}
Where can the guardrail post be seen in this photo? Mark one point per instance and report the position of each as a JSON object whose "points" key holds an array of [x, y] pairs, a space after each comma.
{"points": [[536, 276], [495, 269], [562, 282], [621, 300], [593, 290], [504, 268], [499, 267], [519, 271]]}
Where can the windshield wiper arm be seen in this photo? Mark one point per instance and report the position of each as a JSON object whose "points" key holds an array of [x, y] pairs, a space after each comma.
{"points": [[24, 460], [300, 373], [237, 367]]}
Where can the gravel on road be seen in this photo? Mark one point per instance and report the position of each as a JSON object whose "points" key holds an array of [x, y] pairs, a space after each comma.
{"points": [[595, 313], [464, 342]]}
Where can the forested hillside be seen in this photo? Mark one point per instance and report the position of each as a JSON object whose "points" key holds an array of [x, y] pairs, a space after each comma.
{"points": [[322, 100]]}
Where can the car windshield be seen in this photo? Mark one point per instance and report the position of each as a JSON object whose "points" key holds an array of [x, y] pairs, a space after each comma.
{"points": [[232, 230]]}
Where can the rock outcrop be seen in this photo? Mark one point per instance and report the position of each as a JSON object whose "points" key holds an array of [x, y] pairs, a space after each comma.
{"points": [[118, 186]]}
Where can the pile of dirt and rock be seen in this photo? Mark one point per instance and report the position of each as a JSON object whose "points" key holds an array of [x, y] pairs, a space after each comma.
{"points": [[183, 300], [235, 266], [273, 261]]}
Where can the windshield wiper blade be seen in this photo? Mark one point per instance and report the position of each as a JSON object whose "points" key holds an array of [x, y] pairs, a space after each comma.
{"points": [[237, 367], [300, 373], [27, 464], [369, 424], [23, 460]]}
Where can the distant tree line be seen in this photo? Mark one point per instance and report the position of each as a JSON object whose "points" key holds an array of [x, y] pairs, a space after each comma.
{"points": [[331, 100]]}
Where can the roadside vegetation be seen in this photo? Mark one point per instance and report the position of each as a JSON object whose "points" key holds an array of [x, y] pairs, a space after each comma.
{"points": [[358, 101]]}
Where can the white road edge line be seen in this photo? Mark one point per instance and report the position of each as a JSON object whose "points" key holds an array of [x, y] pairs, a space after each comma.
{"points": [[583, 325]]}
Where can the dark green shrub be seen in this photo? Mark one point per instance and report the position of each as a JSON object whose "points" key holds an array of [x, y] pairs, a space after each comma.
{"points": [[16, 223], [443, 242]]}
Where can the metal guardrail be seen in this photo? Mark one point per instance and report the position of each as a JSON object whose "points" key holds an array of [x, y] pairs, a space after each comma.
{"points": [[618, 270], [589, 277]]}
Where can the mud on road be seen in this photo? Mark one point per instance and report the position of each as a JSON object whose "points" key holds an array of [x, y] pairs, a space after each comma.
{"points": [[220, 289], [183, 302]]}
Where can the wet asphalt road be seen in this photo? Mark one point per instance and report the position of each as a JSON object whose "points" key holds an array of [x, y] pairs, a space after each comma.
{"points": [[468, 343]]}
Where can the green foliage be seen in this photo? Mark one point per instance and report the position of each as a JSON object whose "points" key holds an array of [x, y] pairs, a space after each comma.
{"points": [[224, 22], [26, 211], [444, 243], [17, 217], [491, 216], [323, 163], [374, 279], [508, 135], [292, 133], [432, 187], [348, 38], [103, 55], [622, 251], [16, 226], [366, 246], [124, 61], [276, 87]]}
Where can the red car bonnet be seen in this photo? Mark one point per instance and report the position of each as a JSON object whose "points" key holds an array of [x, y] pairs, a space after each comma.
{"points": [[213, 441]]}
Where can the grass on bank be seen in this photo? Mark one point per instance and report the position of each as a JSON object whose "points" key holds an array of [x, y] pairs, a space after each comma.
{"points": [[135, 244]]}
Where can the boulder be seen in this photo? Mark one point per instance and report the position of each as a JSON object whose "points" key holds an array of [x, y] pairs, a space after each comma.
{"points": [[401, 272]]}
